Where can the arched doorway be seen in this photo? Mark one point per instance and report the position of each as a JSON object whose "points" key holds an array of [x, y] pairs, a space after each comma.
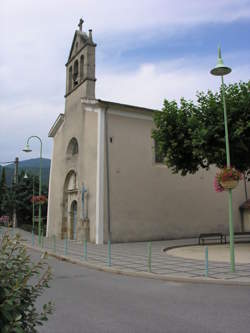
{"points": [[70, 199], [73, 219]]}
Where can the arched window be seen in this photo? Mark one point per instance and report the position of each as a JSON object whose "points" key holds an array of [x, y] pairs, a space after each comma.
{"points": [[72, 147], [76, 47], [75, 75], [81, 67], [72, 182], [70, 79]]}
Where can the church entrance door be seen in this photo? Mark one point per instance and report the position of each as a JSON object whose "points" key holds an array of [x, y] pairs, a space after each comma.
{"points": [[73, 214]]}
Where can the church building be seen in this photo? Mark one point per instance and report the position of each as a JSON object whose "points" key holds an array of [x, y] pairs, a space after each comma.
{"points": [[105, 180]]}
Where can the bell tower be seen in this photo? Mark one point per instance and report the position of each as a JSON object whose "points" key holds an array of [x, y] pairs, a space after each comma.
{"points": [[80, 67]]}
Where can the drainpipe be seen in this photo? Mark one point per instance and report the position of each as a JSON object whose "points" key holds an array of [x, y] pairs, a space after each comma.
{"points": [[107, 172]]}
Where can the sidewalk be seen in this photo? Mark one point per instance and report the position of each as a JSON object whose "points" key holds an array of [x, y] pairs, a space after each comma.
{"points": [[132, 259]]}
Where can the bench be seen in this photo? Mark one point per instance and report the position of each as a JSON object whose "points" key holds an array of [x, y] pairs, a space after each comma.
{"points": [[218, 236], [244, 235]]}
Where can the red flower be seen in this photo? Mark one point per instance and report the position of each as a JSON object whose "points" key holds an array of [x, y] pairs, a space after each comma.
{"points": [[217, 185], [39, 199], [226, 174]]}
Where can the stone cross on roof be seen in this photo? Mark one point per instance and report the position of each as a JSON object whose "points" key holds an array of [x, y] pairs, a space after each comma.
{"points": [[80, 24]]}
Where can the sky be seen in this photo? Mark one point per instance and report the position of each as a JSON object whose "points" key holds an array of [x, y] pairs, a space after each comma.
{"points": [[147, 51]]}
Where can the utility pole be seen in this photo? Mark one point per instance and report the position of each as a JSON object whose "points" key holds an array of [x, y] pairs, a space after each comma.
{"points": [[15, 183]]}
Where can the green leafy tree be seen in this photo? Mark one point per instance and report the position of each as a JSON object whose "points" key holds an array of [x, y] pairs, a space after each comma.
{"points": [[18, 196], [24, 193], [3, 190], [3, 179], [8, 202], [192, 136], [22, 282]]}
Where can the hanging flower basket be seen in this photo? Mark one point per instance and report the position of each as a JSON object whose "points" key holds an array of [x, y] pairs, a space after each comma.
{"points": [[229, 184], [39, 199], [227, 178]]}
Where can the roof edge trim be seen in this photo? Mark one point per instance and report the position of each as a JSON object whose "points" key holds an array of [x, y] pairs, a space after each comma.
{"points": [[57, 124], [126, 105]]}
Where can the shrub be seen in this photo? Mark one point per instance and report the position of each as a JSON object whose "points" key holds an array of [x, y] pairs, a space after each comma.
{"points": [[21, 283]]}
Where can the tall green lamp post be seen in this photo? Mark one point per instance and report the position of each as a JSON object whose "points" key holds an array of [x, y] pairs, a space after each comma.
{"points": [[220, 70], [28, 150]]}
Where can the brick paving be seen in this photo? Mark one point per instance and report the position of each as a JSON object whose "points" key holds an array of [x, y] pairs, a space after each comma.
{"points": [[133, 257]]}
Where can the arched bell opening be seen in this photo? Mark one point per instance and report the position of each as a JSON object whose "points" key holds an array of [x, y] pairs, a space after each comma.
{"points": [[76, 73], [81, 67], [70, 79]]}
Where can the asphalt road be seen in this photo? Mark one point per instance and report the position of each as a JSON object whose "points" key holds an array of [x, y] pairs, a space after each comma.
{"points": [[92, 301]]}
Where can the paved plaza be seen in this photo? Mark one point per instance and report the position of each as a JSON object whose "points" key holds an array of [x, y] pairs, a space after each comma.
{"points": [[217, 252], [132, 258]]}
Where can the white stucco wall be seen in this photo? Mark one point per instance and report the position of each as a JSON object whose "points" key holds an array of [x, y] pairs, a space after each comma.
{"points": [[147, 200], [83, 126]]}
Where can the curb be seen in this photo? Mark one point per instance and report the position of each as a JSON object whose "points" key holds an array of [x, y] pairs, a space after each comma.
{"points": [[172, 278]]}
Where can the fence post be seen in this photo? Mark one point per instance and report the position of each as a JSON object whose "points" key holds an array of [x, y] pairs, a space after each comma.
{"points": [[206, 261], [150, 257], [109, 253], [66, 246]]}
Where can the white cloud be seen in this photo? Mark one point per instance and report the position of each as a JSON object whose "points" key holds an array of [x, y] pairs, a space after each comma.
{"points": [[19, 121], [111, 16], [147, 86], [36, 38], [153, 82], [46, 27]]}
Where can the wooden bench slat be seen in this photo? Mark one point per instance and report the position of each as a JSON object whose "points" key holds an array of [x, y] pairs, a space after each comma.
{"points": [[211, 236]]}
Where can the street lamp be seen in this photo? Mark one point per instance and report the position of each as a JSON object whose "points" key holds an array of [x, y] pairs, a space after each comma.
{"points": [[28, 150], [221, 70]]}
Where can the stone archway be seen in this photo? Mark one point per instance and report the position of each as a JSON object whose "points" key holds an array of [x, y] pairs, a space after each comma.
{"points": [[70, 195]]}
